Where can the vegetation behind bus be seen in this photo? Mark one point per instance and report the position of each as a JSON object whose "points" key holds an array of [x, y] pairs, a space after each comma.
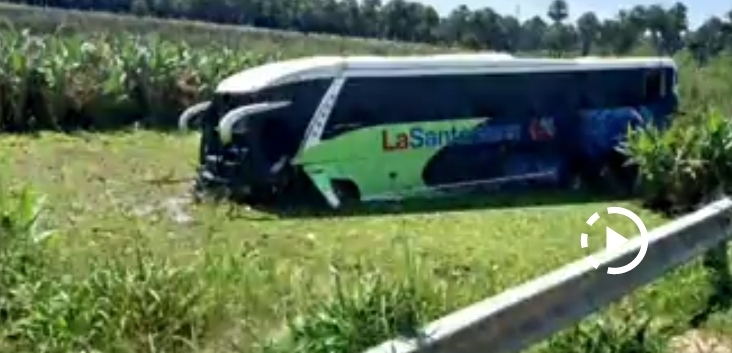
{"points": [[672, 27], [152, 77], [128, 95]]}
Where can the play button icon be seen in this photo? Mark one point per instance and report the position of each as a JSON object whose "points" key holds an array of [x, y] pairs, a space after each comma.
{"points": [[613, 240]]}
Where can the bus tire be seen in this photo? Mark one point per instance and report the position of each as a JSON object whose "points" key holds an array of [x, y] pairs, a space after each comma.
{"points": [[260, 195], [347, 192], [620, 177], [572, 175]]}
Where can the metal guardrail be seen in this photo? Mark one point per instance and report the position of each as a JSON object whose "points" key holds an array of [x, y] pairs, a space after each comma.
{"points": [[525, 314]]}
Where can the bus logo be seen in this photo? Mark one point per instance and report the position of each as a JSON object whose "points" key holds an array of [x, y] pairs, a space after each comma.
{"points": [[418, 137], [542, 129]]}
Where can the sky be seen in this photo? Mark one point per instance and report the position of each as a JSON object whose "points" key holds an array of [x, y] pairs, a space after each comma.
{"points": [[699, 10]]}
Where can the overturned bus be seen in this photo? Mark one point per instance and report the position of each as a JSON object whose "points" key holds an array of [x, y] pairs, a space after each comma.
{"points": [[368, 128]]}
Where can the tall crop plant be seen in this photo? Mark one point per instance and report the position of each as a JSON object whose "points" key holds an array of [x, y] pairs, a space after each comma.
{"points": [[685, 165], [18, 79], [702, 87], [109, 79], [143, 304], [106, 81]]}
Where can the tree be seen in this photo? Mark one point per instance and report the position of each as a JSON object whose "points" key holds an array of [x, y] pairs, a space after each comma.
{"points": [[559, 37], [558, 11], [533, 32], [371, 16], [484, 30], [666, 28], [139, 7], [618, 36], [708, 40], [454, 29], [676, 27], [511, 27], [588, 28]]}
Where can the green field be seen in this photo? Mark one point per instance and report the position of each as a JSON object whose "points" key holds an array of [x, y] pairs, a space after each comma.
{"points": [[113, 195], [135, 266]]}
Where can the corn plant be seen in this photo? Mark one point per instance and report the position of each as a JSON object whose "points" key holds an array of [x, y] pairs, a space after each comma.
{"points": [[685, 165], [150, 307], [22, 256], [106, 80]]}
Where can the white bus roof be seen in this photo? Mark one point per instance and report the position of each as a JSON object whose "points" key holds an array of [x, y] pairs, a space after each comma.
{"points": [[309, 68]]}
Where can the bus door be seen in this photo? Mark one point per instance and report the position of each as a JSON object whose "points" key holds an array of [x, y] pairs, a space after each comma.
{"points": [[554, 105]]}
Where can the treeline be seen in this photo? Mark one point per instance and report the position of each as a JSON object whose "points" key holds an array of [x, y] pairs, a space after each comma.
{"points": [[666, 29]]}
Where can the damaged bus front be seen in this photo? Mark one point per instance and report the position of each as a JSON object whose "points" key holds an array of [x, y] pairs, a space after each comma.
{"points": [[249, 136]]}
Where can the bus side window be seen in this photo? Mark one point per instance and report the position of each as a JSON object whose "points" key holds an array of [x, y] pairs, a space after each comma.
{"points": [[601, 89], [555, 93], [654, 86], [584, 101], [673, 81], [345, 115], [664, 79]]}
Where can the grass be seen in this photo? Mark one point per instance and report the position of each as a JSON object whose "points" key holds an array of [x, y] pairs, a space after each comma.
{"points": [[114, 196]]}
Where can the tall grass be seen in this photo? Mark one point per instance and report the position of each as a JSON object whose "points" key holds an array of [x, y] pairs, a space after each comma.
{"points": [[106, 81], [148, 307], [141, 302]]}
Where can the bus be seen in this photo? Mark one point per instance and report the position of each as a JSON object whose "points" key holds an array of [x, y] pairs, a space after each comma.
{"points": [[363, 128]]}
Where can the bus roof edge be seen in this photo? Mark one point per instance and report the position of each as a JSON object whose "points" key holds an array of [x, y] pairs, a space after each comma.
{"points": [[323, 67]]}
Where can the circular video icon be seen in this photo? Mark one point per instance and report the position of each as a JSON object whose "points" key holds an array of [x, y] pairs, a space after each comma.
{"points": [[614, 240]]}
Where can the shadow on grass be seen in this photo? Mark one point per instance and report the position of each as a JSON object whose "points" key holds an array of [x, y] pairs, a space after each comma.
{"points": [[476, 201]]}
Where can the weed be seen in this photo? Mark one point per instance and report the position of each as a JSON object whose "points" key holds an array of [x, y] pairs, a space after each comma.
{"points": [[365, 311], [622, 334]]}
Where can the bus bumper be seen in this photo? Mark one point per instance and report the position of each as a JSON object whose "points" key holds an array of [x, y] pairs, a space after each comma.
{"points": [[230, 162]]}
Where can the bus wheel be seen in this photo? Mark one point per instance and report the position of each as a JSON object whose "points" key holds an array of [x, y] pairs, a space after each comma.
{"points": [[347, 192], [259, 195], [619, 177], [572, 176]]}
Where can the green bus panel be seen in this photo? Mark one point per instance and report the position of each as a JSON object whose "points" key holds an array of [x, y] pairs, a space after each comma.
{"points": [[381, 160]]}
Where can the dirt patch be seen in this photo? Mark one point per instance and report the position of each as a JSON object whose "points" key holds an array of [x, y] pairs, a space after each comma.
{"points": [[174, 207], [699, 341]]}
